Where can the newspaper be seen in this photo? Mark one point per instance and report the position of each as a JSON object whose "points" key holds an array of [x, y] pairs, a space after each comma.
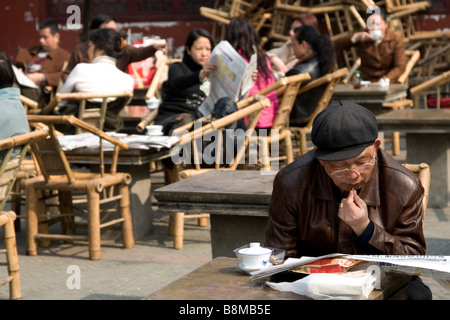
{"points": [[22, 78], [437, 267], [232, 78], [134, 141]]}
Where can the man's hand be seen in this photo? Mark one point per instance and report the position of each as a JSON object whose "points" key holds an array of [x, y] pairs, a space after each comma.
{"points": [[361, 36], [353, 211]]}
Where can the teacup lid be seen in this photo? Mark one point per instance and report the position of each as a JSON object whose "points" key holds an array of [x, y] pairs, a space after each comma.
{"points": [[254, 248]]}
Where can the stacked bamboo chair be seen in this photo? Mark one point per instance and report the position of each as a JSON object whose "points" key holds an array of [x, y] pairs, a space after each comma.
{"points": [[100, 189], [14, 150]]}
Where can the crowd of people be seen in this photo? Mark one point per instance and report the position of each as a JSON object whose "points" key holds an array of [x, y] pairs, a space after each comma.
{"points": [[346, 195]]}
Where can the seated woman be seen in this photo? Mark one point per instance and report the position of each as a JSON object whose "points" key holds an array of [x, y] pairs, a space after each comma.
{"points": [[187, 84], [101, 75], [14, 119], [316, 56], [243, 37], [283, 58]]}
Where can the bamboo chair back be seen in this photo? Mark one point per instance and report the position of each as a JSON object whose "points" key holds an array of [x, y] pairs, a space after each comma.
{"points": [[10, 162], [94, 116], [50, 157], [287, 99], [330, 80], [424, 173], [9, 168], [432, 86], [252, 111]]}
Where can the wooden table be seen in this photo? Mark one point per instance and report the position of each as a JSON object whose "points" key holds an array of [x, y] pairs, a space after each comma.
{"points": [[136, 162], [237, 201], [427, 140], [220, 279], [372, 96]]}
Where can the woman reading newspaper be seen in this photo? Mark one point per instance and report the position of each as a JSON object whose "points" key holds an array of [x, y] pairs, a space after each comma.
{"points": [[241, 34]]}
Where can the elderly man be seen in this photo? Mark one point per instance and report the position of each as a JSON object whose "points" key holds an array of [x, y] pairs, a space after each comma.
{"points": [[347, 195], [380, 48]]}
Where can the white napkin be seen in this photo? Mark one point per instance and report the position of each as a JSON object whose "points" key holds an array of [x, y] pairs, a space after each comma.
{"points": [[330, 286]]}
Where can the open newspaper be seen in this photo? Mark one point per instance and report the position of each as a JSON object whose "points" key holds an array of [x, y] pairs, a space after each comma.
{"points": [[232, 78], [437, 267]]}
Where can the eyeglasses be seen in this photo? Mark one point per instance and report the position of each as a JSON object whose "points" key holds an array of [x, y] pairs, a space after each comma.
{"points": [[359, 169]]}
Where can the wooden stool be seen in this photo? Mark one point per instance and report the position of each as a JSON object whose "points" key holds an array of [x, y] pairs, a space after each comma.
{"points": [[176, 225]]}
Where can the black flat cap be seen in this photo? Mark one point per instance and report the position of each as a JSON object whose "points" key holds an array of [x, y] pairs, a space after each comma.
{"points": [[342, 131]]}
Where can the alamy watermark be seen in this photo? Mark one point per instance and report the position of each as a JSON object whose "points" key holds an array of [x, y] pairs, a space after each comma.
{"points": [[74, 20], [74, 280]]}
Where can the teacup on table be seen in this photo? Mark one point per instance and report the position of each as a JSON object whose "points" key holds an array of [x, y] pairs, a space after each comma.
{"points": [[154, 130], [254, 257]]}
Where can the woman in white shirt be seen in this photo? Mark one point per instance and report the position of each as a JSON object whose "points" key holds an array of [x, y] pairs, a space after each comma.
{"points": [[101, 75]]}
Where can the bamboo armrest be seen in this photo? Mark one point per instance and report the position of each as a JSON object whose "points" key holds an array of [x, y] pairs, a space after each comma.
{"points": [[77, 123], [436, 81], [324, 79], [91, 95], [146, 120], [222, 122], [22, 138], [27, 101]]}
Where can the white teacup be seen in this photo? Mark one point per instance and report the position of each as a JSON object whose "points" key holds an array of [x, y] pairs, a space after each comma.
{"points": [[154, 129], [254, 256]]}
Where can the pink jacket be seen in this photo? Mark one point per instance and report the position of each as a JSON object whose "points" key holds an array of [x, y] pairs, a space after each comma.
{"points": [[268, 114]]}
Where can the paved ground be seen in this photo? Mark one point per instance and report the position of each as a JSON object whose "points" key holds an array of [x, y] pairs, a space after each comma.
{"points": [[133, 274]]}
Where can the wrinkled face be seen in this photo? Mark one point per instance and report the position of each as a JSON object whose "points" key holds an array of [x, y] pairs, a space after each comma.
{"points": [[352, 173], [376, 22], [200, 50], [47, 40]]}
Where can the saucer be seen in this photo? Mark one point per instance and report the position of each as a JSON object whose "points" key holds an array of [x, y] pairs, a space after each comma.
{"points": [[248, 270]]}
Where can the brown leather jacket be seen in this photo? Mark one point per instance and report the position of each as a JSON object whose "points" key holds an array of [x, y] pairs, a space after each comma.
{"points": [[303, 214]]}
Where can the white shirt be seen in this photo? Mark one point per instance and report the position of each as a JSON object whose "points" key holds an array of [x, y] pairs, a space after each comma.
{"points": [[101, 75]]}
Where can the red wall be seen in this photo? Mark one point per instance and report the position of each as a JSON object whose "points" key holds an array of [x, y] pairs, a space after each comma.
{"points": [[18, 20]]}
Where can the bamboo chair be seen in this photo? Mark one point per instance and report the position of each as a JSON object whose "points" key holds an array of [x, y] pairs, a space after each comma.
{"points": [[57, 175], [424, 173], [329, 81], [94, 116], [188, 140], [9, 167], [237, 8], [435, 86], [280, 132], [336, 19]]}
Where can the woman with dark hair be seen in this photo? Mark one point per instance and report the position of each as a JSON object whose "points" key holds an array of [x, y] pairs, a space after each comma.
{"points": [[131, 53], [243, 37], [316, 56], [283, 58], [101, 75], [14, 119], [187, 84]]}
